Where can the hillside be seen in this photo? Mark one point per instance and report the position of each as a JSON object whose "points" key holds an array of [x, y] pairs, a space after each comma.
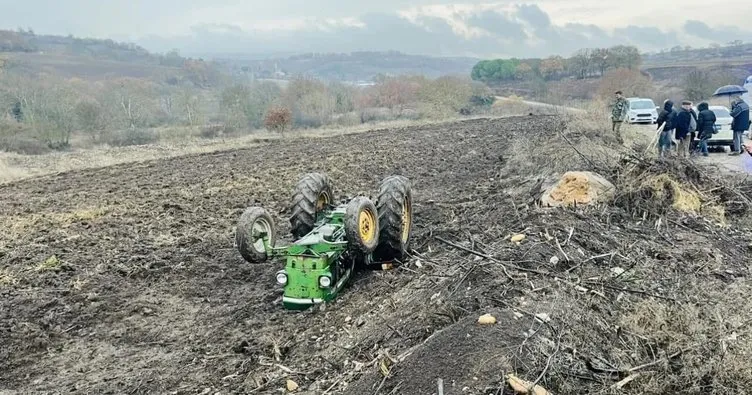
{"points": [[89, 58], [356, 66], [731, 54], [28, 42]]}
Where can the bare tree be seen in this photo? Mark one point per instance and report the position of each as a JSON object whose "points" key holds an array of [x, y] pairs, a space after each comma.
{"points": [[601, 59], [630, 82], [698, 85], [581, 63]]}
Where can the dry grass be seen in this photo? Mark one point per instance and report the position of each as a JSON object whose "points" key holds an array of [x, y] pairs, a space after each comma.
{"points": [[714, 341], [11, 226], [7, 278], [9, 173], [51, 264], [583, 137], [682, 199]]}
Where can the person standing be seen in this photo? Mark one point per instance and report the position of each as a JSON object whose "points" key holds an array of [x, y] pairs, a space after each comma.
{"points": [[693, 141], [618, 114], [665, 119], [740, 113], [682, 128], [705, 126]]}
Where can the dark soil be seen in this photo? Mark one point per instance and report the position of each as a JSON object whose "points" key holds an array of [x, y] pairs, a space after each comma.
{"points": [[125, 280]]}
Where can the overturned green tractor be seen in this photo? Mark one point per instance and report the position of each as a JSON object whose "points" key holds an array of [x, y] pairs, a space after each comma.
{"points": [[330, 241]]}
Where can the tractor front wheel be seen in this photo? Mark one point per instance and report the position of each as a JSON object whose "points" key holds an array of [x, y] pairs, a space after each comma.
{"points": [[312, 194], [362, 225], [255, 224], [395, 207]]}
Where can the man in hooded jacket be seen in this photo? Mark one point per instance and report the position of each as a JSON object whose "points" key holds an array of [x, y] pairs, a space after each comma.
{"points": [[740, 113], [666, 118], [705, 126]]}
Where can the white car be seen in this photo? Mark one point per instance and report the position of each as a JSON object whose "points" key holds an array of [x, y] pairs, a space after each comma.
{"points": [[641, 110], [725, 136]]}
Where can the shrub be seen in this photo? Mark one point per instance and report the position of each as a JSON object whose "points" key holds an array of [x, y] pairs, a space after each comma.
{"points": [[409, 114], [311, 102], [90, 119], [245, 105], [481, 95], [445, 96], [131, 137], [398, 93], [278, 119], [375, 114], [351, 118], [212, 131], [24, 146], [19, 138]]}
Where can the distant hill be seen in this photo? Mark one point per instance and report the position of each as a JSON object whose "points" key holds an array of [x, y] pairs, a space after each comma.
{"points": [[731, 63], [98, 59], [683, 56], [27, 42], [355, 66]]}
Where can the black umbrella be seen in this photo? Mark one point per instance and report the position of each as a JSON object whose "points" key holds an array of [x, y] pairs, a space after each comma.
{"points": [[730, 90]]}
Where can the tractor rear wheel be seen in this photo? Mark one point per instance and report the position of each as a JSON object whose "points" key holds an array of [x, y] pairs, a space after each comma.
{"points": [[252, 225], [395, 206], [312, 194], [362, 225]]}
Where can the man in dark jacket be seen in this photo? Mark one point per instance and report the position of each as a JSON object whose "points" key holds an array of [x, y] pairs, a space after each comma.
{"points": [[705, 126], [740, 113], [665, 119], [682, 127]]}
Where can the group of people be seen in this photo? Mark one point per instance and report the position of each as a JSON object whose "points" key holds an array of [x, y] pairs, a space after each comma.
{"points": [[692, 129]]}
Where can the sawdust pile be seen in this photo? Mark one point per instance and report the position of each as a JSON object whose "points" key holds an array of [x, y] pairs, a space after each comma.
{"points": [[578, 188]]}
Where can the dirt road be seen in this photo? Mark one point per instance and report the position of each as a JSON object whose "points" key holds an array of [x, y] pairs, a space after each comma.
{"points": [[719, 157]]}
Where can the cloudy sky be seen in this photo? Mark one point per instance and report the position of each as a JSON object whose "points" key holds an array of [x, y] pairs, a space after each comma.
{"points": [[431, 27]]}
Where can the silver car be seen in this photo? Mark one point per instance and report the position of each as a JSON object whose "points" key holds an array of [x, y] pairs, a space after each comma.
{"points": [[641, 110]]}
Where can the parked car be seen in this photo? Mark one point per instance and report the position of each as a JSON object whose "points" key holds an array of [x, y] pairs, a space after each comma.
{"points": [[724, 136], [641, 110]]}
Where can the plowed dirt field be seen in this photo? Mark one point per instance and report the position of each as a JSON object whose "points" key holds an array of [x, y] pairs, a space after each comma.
{"points": [[125, 280]]}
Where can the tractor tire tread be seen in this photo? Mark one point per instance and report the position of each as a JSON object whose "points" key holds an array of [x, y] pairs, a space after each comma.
{"points": [[243, 239], [352, 213], [393, 191], [304, 199]]}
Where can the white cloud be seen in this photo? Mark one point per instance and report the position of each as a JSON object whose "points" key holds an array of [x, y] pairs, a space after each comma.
{"points": [[438, 27]]}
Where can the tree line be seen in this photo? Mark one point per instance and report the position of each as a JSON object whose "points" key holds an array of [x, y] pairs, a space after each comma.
{"points": [[585, 63], [39, 113]]}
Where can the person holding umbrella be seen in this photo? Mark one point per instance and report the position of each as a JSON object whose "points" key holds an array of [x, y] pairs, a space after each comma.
{"points": [[740, 113]]}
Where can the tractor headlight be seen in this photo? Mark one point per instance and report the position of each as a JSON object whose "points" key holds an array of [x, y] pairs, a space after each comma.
{"points": [[325, 281], [281, 278]]}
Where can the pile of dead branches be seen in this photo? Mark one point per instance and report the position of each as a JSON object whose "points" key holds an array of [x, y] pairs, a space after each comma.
{"points": [[653, 187]]}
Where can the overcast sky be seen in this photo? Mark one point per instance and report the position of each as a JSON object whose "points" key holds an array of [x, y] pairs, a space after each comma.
{"points": [[432, 27]]}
